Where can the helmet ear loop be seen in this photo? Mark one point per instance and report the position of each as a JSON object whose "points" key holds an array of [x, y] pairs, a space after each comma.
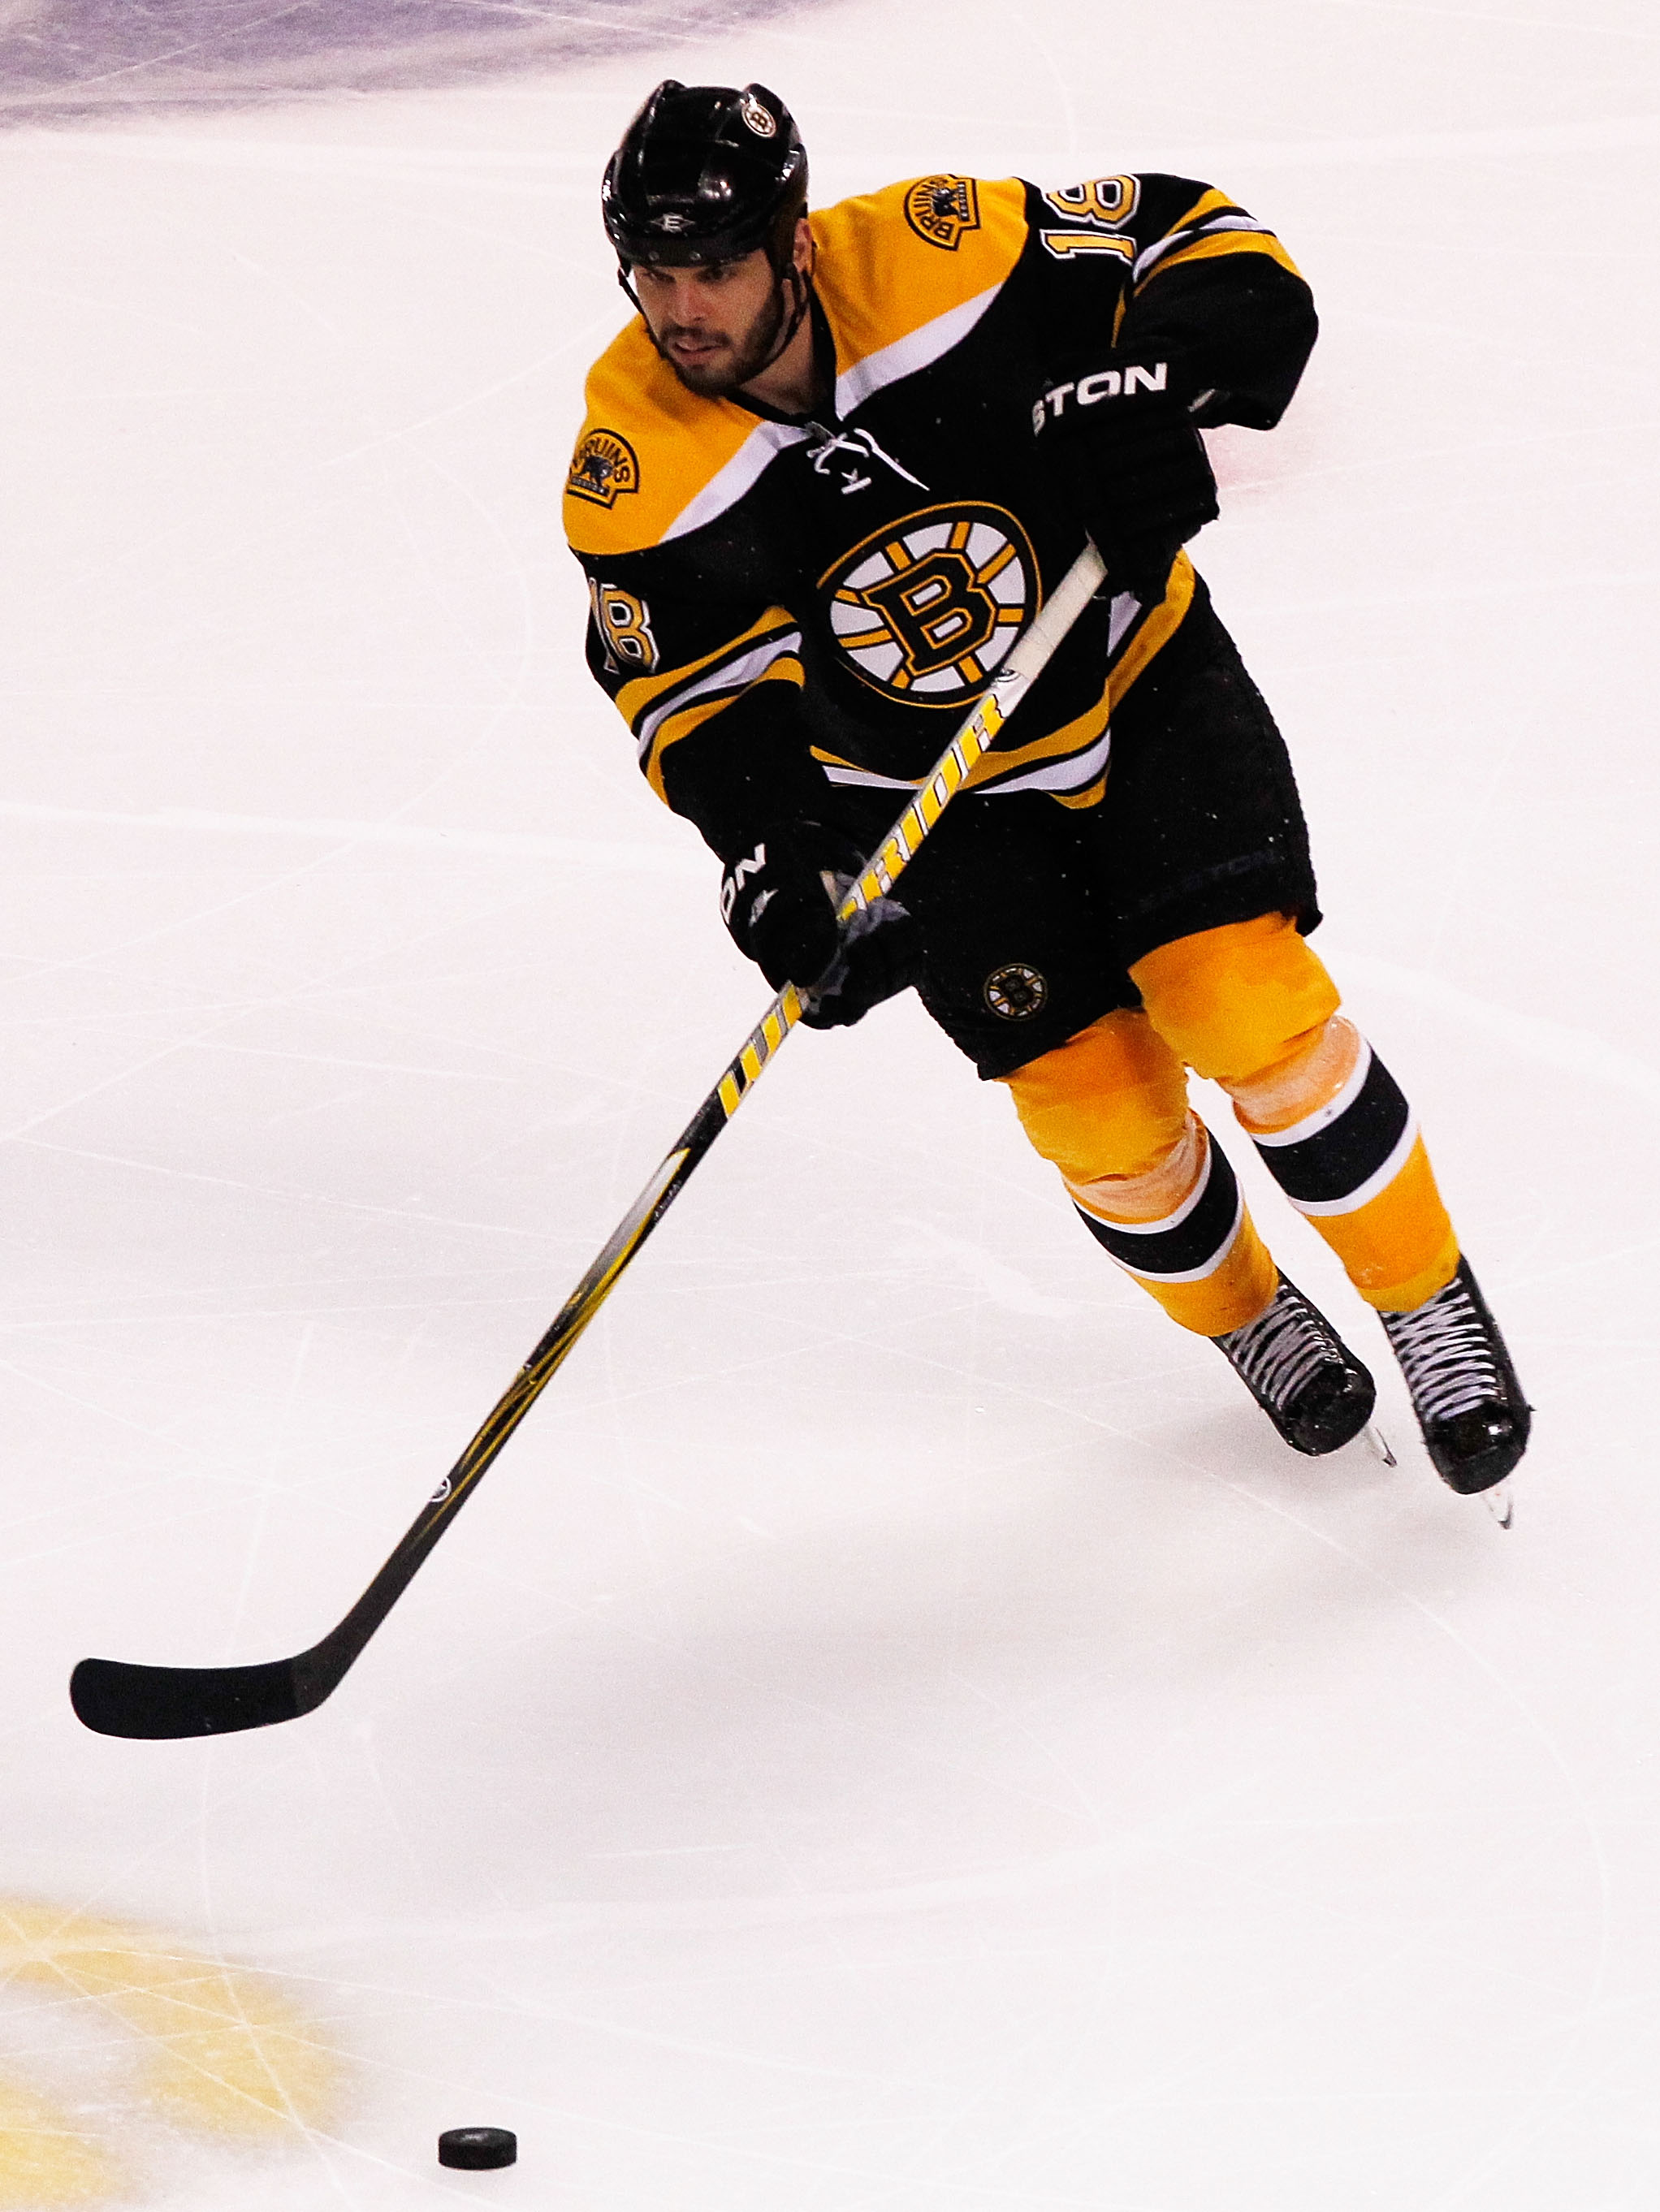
{"points": [[625, 280], [796, 282]]}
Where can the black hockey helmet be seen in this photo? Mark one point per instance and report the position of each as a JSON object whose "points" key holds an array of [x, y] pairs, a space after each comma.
{"points": [[706, 173]]}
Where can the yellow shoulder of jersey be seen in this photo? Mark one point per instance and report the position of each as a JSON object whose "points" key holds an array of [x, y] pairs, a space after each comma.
{"points": [[648, 447], [896, 271], [895, 263]]}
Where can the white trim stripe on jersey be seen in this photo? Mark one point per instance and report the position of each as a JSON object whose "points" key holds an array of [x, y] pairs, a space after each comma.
{"points": [[726, 676], [728, 486], [1123, 613], [1155, 252], [920, 350], [1075, 772], [865, 779]]}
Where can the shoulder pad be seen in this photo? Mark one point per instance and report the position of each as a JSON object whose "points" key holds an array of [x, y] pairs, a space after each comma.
{"points": [[649, 450], [905, 273]]}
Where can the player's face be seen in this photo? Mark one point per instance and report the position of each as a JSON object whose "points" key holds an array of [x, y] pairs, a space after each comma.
{"points": [[717, 324]]}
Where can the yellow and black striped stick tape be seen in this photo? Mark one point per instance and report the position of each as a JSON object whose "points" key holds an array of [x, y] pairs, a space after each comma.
{"points": [[117, 1699]]}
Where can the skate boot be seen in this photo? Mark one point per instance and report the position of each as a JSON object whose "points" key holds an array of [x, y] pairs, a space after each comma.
{"points": [[1464, 1391], [1301, 1373]]}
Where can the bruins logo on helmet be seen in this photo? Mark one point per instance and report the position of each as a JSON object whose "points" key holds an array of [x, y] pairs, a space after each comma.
{"points": [[760, 119], [603, 468], [1016, 992], [926, 607], [943, 209]]}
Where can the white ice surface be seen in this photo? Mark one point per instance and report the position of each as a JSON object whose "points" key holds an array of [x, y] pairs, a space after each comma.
{"points": [[895, 1730]]}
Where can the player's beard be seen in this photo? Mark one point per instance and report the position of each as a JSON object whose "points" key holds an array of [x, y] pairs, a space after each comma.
{"points": [[738, 361]]}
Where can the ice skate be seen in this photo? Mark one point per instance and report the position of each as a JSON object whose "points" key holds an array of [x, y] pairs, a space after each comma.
{"points": [[1464, 1391], [1301, 1373]]}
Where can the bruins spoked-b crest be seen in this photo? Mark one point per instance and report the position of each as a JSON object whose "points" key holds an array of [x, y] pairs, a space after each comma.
{"points": [[926, 607]]}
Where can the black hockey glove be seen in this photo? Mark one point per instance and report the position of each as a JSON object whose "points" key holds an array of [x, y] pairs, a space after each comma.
{"points": [[779, 902], [1119, 438]]}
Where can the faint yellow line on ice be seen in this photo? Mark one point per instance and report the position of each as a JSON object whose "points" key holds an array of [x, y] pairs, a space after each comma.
{"points": [[221, 2050]]}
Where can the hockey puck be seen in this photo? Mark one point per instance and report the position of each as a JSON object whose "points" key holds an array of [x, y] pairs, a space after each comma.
{"points": [[478, 2148]]}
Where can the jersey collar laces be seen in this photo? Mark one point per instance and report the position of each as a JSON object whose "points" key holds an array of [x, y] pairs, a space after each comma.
{"points": [[861, 445]]}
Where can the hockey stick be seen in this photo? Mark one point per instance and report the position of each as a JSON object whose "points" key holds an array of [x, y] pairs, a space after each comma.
{"points": [[116, 1699]]}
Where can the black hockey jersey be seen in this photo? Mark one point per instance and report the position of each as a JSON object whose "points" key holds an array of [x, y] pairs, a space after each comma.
{"points": [[779, 602]]}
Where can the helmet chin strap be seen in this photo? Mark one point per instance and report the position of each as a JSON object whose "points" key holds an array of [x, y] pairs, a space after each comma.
{"points": [[799, 283]]}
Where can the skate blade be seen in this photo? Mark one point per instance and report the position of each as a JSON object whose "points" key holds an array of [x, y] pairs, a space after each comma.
{"points": [[1380, 1444], [1500, 1504]]}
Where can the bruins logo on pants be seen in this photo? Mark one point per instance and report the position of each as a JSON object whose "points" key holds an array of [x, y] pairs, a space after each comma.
{"points": [[926, 607], [1017, 991]]}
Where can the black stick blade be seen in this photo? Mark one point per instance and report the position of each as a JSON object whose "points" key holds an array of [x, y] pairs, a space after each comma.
{"points": [[156, 1702]]}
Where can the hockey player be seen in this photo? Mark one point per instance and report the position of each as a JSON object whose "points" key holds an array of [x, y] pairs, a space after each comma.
{"points": [[826, 477]]}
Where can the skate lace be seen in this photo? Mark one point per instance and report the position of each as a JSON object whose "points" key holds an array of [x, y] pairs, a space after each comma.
{"points": [[1445, 1355], [1279, 1352]]}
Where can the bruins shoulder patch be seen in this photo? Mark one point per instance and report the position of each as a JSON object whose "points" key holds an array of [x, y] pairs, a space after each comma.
{"points": [[603, 468], [942, 210]]}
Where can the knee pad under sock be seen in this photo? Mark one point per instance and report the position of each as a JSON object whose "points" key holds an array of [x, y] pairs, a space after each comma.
{"points": [[1338, 1136], [1183, 1230]]}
